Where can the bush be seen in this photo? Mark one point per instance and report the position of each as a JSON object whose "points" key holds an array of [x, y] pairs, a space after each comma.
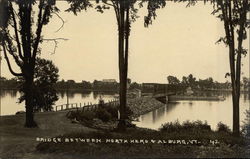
{"points": [[112, 110], [71, 114], [81, 115], [246, 125], [223, 128], [87, 115], [103, 114], [186, 126], [171, 126]]}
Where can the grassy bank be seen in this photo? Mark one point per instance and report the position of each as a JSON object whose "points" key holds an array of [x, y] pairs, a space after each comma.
{"points": [[18, 142], [146, 143]]}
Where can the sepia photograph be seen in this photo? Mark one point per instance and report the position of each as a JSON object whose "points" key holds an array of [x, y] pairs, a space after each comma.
{"points": [[124, 79]]}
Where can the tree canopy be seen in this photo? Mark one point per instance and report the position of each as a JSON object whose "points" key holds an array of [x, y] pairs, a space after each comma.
{"points": [[20, 35], [45, 79]]}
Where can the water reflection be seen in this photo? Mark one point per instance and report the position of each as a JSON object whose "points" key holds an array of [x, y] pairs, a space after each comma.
{"points": [[154, 116], [9, 99], [170, 106], [97, 94]]}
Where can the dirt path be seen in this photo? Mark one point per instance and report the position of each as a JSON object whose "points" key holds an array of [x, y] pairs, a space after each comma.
{"points": [[19, 142]]}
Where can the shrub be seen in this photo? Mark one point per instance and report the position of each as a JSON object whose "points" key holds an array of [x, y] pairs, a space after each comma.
{"points": [[223, 128], [112, 110], [81, 115], [71, 114], [171, 126], [186, 126], [246, 125], [86, 115], [103, 114]]}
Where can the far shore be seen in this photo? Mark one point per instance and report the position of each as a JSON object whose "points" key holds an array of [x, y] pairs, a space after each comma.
{"points": [[117, 91]]}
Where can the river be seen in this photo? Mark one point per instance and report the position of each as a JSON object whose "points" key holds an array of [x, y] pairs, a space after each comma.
{"points": [[210, 111], [10, 105]]}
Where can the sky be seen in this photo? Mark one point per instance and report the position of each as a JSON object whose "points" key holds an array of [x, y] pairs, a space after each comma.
{"points": [[180, 42]]}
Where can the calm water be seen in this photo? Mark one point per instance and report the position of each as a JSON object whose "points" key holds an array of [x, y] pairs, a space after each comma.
{"points": [[10, 106], [210, 111]]}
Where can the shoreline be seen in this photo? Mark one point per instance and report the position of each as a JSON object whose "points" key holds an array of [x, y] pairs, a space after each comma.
{"points": [[193, 97]]}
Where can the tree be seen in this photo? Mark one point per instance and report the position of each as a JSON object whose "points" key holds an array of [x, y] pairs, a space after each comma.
{"points": [[173, 80], [86, 85], [246, 83], [206, 83], [190, 81], [233, 14], [126, 13], [45, 78], [134, 85], [20, 35]]}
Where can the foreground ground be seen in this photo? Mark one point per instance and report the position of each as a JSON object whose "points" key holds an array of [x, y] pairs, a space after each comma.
{"points": [[19, 142]]}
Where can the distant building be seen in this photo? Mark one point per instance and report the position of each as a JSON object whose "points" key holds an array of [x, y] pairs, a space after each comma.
{"points": [[109, 80], [189, 91], [154, 87]]}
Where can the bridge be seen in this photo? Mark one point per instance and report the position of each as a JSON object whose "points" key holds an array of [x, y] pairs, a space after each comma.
{"points": [[163, 91], [83, 106]]}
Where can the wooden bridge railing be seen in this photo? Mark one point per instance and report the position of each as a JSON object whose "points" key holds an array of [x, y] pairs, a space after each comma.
{"points": [[84, 106]]}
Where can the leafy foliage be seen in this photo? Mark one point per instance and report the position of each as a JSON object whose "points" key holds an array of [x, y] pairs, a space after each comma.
{"points": [[103, 114], [20, 36], [173, 80], [223, 128], [246, 125], [46, 76], [186, 126]]}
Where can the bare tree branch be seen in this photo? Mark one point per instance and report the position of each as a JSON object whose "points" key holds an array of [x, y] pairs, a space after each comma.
{"points": [[16, 33], [55, 42], [8, 62], [63, 22], [11, 49], [41, 20]]}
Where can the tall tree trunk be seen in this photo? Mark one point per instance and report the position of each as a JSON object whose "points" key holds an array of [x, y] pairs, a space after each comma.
{"points": [[122, 74], [236, 117], [127, 31], [28, 91]]}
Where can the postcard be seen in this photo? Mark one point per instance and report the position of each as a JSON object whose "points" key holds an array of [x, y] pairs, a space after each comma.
{"points": [[124, 79]]}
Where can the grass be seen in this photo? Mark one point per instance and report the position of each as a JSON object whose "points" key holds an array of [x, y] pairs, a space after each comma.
{"points": [[20, 142]]}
